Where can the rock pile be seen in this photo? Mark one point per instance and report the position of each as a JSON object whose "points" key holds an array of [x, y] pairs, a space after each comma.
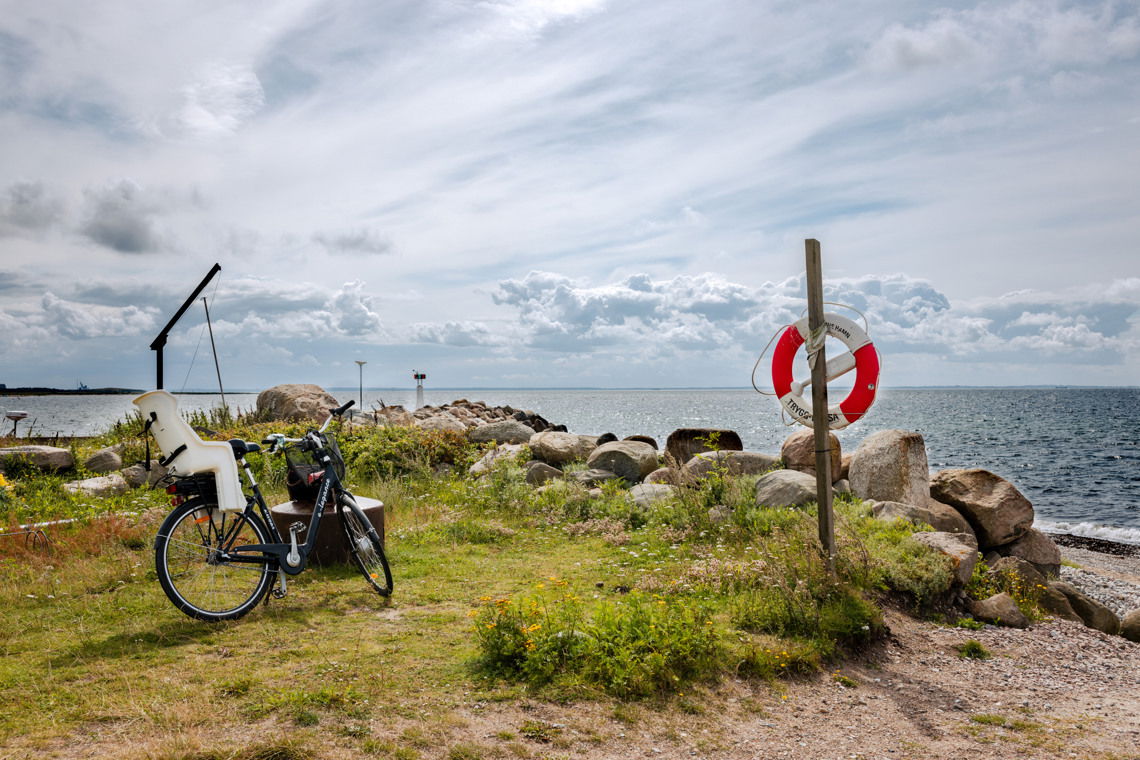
{"points": [[970, 508]]}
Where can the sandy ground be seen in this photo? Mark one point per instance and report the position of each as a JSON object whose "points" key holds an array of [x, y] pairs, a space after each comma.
{"points": [[1056, 690]]}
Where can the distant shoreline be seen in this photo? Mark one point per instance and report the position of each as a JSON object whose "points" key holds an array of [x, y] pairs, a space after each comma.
{"points": [[72, 392]]}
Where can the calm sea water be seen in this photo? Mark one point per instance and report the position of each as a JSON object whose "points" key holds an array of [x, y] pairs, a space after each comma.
{"points": [[1074, 452]]}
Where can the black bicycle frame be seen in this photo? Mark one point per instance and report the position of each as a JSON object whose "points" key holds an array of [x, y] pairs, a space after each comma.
{"points": [[276, 553]]}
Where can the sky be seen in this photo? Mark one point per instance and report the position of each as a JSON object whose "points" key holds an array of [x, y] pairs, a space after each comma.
{"points": [[565, 193]]}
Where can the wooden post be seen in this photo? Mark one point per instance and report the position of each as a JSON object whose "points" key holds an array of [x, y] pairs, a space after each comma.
{"points": [[817, 360]]}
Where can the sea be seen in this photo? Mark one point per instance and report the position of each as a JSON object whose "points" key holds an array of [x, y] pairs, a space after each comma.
{"points": [[1074, 452]]}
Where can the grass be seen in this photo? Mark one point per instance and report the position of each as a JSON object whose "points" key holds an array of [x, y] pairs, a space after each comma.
{"points": [[502, 595]]}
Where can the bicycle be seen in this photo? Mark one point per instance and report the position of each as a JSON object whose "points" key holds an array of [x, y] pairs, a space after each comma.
{"points": [[217, 564]]}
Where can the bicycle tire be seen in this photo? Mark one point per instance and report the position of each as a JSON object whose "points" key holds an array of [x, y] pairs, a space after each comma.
{"points": [[364, 545], [185, 560]]}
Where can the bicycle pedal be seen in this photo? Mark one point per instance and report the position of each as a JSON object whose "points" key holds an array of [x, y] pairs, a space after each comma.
{"points": [[298, 528]]}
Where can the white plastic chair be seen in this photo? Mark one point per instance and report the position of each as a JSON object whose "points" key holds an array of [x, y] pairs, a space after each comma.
{"points": [[171, 432]]}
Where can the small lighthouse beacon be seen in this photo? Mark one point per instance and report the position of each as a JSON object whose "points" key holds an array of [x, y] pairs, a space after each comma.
{"points": [[419, 378]]}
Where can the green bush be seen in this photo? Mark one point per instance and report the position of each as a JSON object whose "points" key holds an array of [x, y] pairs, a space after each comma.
{"points": [[636, 645]]}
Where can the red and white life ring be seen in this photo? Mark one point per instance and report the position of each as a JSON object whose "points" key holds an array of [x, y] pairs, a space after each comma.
{"points": [[863, 358]]}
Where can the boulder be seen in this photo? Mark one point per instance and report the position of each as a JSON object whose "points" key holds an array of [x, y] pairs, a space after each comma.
{"points": [[999, 609], [107, 485], [1029, 576], [45, 458], [1130, 626], [645, 495], [538, 473], [1038, 549], [396, 416], [845, 467], [296, 403], [441, 421], [137, 476], [561, 448], [1092, 613], [959, 547], [105, 460], [644, 439], [997, 511], [720, 513], [495, 456], [666, 475], [605, 438], [592, 477], [939, 516], [685, 443], [890, 465], [785, 488], [1057, 604], [504, 431], [734, 462], [798, 453], [842, 485], [631, 460]]}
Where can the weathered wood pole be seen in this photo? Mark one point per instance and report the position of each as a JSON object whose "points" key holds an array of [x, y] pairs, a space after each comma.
{"points": [[817, 361]]}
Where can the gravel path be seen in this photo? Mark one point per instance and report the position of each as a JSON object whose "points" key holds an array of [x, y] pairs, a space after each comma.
{"points": [[1112, 580]]}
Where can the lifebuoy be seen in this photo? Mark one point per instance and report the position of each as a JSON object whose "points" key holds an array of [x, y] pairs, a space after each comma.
{"points": [[863, 358]]}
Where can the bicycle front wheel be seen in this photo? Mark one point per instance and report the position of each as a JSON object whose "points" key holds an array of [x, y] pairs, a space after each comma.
{"points": [[195, 557], [364, 545]]}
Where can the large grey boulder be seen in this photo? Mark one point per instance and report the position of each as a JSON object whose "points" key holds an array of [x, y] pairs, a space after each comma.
{"points": [[631, 460], [939, 516], [646, 495], [105, 460], [45, 458], [733, 462], [1130, 626], [538, 473], [393, 416], [1036, 548], [959, 547], [504, 431], [1057, 604], [1092, 613], [997, 511], [999, 609], [666, 475], [592, 477], [442, 421], [1030, 577], [785, 488], [685, 443], [495, 457], [137, 475], [295, 402], [107, 485], [798, 453], [890, 465], [561, 448]]}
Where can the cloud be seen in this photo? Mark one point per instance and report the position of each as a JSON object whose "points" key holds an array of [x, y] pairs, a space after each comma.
{"points": [[351, 310], [359, 241], [121, 218], [708, 314], [28, 208], [217, 103], [82, 321], [456, 334]]}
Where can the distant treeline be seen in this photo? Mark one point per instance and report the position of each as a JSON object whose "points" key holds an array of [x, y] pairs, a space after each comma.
{"points": [[64, 392]]}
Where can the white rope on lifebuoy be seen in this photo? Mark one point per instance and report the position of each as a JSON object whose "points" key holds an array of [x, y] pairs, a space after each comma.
{"points": [[861, 357]]}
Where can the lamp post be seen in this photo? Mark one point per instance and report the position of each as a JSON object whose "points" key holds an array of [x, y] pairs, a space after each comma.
{"points": [[361, 364]]}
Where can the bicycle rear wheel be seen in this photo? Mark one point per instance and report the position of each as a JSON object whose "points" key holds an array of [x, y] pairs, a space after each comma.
{"points": [[194, 558], [364, 545]]}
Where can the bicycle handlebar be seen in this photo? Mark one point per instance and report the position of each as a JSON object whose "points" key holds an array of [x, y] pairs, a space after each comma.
{"points": [[277, 441]]}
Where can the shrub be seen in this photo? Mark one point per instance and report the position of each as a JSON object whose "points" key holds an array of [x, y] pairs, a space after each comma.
{"points": [[973, 650], [636, 645]]}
